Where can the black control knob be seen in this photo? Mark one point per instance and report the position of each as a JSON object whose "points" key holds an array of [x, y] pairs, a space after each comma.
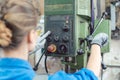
{"points": [[103, 66], [56, 38], [66, 28], [63, 48], [80, 52], [66, 38], [49, 38]]}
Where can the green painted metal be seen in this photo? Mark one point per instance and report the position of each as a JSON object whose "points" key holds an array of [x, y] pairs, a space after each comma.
{"points": [[59, 7], [80, 12], [82, 17], [83, 7], [105, 28], [52, 2]]}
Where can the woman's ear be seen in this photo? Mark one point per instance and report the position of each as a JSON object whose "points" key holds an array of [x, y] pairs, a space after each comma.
{"points": [[31, 39]]}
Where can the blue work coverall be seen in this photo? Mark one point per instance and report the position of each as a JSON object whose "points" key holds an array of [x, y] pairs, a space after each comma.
{"points": [[17, 69]]}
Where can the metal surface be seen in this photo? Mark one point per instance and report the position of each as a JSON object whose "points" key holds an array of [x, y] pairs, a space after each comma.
{"points": [[105, 28], [99, 22], [40, 42], [113, 16], [69, 20], [98, 9]]}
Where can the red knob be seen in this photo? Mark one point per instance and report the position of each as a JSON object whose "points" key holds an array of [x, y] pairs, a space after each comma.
{"points": [[51, 48]]}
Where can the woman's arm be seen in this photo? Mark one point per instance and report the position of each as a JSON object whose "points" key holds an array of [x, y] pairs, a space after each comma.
{"points": [[94, 63]]}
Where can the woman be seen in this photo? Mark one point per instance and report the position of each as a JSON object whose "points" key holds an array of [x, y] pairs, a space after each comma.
{"points": [[17, 37], [18, 20]]}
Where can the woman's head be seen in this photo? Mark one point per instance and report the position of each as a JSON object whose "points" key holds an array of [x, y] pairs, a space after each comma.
{"points": [[17, 19]]}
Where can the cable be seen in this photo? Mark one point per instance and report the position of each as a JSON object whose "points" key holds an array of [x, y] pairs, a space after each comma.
{"points": [[45, 62], [36, 66], [40, 39]]}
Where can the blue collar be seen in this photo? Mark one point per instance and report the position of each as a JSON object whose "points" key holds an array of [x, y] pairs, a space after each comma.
{"points": [[14, 62]]}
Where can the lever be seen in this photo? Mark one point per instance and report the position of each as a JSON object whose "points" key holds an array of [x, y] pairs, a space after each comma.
{"points": [[100, 21], [40, 42]]}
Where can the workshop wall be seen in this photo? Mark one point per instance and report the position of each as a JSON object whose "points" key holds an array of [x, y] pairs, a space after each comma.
{"points": [[118, 17], [112, 60]]}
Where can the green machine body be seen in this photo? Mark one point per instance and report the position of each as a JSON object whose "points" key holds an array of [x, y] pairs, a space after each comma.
{"points": [[68, 21]]}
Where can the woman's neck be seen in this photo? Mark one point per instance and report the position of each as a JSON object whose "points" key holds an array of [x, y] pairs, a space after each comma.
{"points": [[20, 53]]}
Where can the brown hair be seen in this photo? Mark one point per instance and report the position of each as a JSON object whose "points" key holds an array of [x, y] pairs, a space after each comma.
{"points": [[17, 18]]}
